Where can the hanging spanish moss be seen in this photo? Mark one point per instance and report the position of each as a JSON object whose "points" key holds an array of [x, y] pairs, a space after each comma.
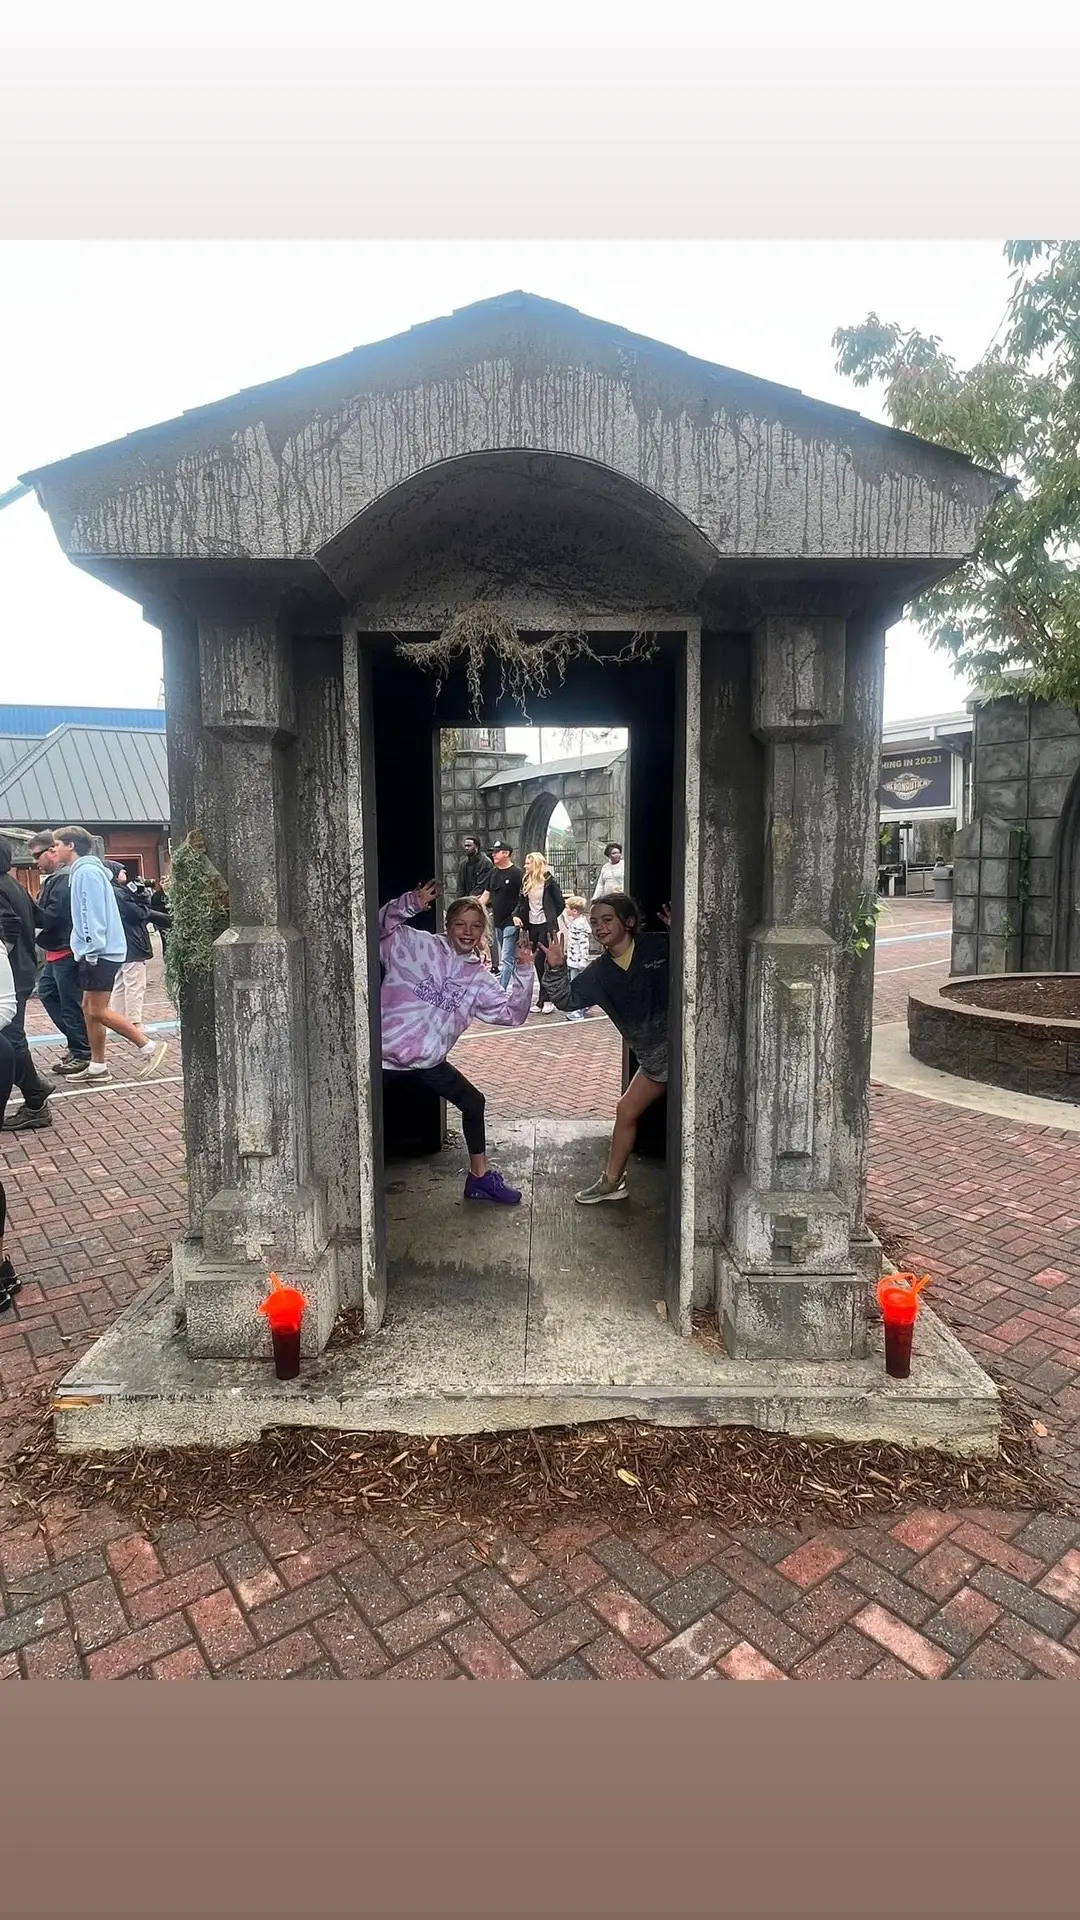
{"points": [[480, 635], [199, 906]]}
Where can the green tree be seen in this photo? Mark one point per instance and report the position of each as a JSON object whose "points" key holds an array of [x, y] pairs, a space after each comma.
{"points": [[1011, 618]]}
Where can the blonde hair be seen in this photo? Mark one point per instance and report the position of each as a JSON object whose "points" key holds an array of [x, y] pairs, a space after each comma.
{"points": [[536, 871], [576, 900]]}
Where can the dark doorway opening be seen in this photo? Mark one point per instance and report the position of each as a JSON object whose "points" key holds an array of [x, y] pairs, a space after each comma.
{"points": [[408, 711]]}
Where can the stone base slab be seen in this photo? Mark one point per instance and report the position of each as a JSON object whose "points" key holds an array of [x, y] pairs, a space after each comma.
{"points": [[139, 1386], [790, 1316], [221, 1307]]}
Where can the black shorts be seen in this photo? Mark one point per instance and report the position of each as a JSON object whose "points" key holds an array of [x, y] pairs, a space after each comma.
{"points": [[99, 978]]}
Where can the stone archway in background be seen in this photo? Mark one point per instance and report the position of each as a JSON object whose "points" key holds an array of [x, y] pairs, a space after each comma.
{"points": [[537, 821]]}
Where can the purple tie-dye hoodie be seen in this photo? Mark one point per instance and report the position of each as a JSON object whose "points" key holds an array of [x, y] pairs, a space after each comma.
{"points": [[430, 993]]}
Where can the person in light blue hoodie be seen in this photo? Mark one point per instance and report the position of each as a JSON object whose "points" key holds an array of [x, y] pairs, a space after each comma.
{"points": [[99, 948]]}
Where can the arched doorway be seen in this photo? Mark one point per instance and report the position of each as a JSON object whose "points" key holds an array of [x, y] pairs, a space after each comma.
{"points": [[537, 821], [561, 849]]}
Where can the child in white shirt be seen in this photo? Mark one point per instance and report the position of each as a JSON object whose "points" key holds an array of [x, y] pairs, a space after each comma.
{"points": [[575, 934]]}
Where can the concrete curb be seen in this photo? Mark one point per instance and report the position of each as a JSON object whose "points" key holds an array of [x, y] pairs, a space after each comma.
{"points": [[891, 1065]]}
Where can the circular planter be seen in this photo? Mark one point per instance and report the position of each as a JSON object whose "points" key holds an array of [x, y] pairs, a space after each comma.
{"points": [[1018, 1031]]}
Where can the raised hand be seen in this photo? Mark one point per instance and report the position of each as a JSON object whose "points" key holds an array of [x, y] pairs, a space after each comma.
{"points": [[427, 894], [523, 953], [555, 952], [664, 915]]}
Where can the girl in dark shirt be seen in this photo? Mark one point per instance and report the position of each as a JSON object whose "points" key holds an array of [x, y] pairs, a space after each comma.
{"points": [[630, 983]]}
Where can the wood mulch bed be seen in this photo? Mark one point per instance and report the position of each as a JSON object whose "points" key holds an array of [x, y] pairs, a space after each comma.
{"points": [[621, 1473]]}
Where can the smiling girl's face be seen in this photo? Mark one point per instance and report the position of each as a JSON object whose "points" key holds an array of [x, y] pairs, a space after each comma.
{"points": [[607, 928], [466, 931]]}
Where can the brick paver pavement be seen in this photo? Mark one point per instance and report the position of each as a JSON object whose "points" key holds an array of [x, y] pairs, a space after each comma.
{"points": [[991, 1210]]}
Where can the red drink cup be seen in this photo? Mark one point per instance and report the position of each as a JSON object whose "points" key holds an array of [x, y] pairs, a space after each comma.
{"points": [[284, 1308], [898, 1298], [898, 1348], [286, 1351]]}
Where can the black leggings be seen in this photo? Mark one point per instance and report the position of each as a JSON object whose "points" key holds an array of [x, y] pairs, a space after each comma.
{"points": [[451, 1085], [7, 1081], [536, 934]]}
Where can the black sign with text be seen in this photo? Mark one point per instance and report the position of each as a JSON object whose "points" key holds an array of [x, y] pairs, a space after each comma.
{"points": [[913, 782]]}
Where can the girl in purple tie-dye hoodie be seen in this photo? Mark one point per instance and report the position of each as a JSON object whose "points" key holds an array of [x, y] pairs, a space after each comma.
{"points": [[433, 986]]}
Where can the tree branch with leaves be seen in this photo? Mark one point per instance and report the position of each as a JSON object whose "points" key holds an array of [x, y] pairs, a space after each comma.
{"points": [[1010, 619]]}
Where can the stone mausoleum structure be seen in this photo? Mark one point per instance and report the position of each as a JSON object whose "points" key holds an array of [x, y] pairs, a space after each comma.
{"points": [[521, 458]]}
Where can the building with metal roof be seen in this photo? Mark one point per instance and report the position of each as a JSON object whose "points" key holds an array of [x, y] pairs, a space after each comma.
{"points": [[36, 722], [112, 780]]}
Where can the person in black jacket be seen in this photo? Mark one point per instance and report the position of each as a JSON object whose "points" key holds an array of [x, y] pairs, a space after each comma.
{"points": [[474, 873], [58, 986], [17, 934], [538, 912], [630, 982], [129, 991]]}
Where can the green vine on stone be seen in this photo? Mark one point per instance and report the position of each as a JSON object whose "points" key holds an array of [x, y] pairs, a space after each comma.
{"points": [[1023, 865], [863, 924], [199, 906]]}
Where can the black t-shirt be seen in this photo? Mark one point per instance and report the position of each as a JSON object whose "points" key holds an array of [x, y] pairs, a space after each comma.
{"points": [[505, 890]]}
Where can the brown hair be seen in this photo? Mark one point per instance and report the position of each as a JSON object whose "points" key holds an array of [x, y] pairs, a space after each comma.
{"points": [[78, 838], [457, 907]]}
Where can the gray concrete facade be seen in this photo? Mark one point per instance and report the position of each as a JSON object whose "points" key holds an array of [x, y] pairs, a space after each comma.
{"points": [[576, 478], [1016, 876]]}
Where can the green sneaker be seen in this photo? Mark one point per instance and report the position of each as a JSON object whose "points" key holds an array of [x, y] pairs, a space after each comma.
{"points": [[602, 1189]]}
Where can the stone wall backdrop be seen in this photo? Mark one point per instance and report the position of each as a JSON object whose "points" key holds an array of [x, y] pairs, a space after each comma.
{"points": [[1027, 754], [519, 810], [464, 810]]}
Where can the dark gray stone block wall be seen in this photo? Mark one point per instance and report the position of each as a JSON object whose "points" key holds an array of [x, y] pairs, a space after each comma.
{"points": [[595, 800], [1027, 754]]}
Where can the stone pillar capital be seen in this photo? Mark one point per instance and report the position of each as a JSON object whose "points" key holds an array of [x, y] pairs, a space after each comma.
{"points": [[246, 675], [798, 677]]}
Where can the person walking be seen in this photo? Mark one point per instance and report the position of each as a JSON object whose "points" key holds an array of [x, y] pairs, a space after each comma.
{"points": [[129, 993], [538, 910], [19, 940], [159, 902], [575, 933], [474, 873], [58, 982], [9, 1280], [612, 873], [505, 892], [99, 944]]}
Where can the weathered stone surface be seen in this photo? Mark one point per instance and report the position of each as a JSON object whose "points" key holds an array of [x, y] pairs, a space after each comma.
{"points": [[791, 1317], [285, 469]]}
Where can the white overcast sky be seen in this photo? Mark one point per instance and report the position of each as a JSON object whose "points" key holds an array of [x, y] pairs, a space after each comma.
{"points": [[97, 339]]}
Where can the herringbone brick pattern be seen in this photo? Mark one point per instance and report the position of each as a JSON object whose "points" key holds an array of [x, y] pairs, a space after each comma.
{"points": [[990, 1210]]}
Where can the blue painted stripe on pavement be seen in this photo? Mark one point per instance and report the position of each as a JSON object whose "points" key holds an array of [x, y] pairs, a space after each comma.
{"points": [[57, 1039]]}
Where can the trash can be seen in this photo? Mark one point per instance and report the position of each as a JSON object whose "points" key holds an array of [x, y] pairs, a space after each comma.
{"points": [[943, 877]]}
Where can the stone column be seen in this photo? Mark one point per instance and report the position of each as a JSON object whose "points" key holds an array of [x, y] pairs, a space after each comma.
{"points": [[786, 1282], [267, 1214]]}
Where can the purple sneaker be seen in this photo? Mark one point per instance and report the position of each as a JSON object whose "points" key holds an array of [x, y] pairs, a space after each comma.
{"points": [[491, 1186]]}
